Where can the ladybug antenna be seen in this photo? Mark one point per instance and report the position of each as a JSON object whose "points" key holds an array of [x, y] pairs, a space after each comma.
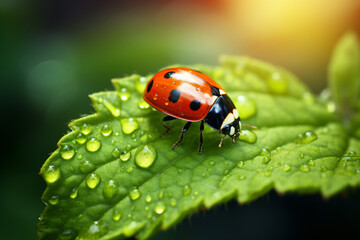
{"points": [[222, 139], [247, 125]]}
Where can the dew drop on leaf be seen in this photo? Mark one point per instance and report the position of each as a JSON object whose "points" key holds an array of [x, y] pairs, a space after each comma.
{"points": [[286, 168], [95, 231], [161, 194], [135, 193], [142, 104], [247, 136], [80, 156], [308, 98], [265, 152], [53, 200], [186, 190], [106, 130], [74, 193], [92, 180], [311, 163], [145, 156], [125, 156], [307, 137], [212, 163], [116, 215], [266, 159], [67, 152], [241, 176], [112, 109], [86, 166], [240, 164], [124, 94], [148, 199], [129, 125], [160, 208], [115, 153], [277, 83], [245, 106], [80, 138], [85, 129], [51, 174], [173, 202], [129, 169], [110, 189], [304, 168], [93, 144]]}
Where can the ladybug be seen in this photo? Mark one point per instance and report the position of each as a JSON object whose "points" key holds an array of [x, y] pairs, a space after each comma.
{"points": [[187, 94]]}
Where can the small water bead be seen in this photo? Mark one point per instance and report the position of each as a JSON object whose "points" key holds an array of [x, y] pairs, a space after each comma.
{"points": [[173, 202], [212, 163], [265, 152], [96, 230], [226, 172], [160, 208], [241, 176], [129, 169], [85, 129], [331, 106], [67, 234], [129, 125], [145, 156], [148, 199], [51, 174], [112, 109], [311, 163], [110, 189], [86, 166], [245, 106], [134, 193], [247, 136], [186, 190], [308, 98], [241, 164], [106, 130], [209, 170], [277, 83], [286, 168], [67, 152], [351, 154], [267, 173], [140, 84], [115, 153], [116, 215], [124, 94], [301, 155], [161, 194], [74, 193], [323, 168], [142, 104], [93, 145], [112, 142], [80, 156], [304, 168], [125, 156], [53, 200], [307, 137], [92, 180]]}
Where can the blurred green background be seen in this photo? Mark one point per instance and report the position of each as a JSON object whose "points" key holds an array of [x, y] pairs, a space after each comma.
{"points": [[55, 53]]}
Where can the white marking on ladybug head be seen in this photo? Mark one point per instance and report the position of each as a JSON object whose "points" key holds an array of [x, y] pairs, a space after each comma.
{"points": [[214, 99], [229, 119], [232, 131], [222, 92], [236, 113]]}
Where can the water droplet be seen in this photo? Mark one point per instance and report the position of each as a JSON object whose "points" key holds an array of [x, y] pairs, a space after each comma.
{"points": [[161, 194], [301, 155], [125, 156], [267, 173], [86, 166], [323, 168], [277, 83], [304, 168], [110, 189], [226, 172], [92, 180], [85, 129], [93, 144], [80, 138], [245, 106], [148, 198], [53, 200], [160, 208], [142, 104], [186, 190], [124, 94], [135, 193], [116, 215], [247, 136], [67, 152], [67, 234], [80, 156], [51, 174], [74, 193], [286, 168], [241, 176], [145, 156], [212, 163], [240, 164], [209, 170], [311, 163], [112, 109], [115, 153], [173, 202], [331, 106], [140, 84], [351, 154], [308, 98], [307, 137], [265, 152], [95, 231], [265, 159], [129, 125], [129, 169], [106, 130], [226, 163]]}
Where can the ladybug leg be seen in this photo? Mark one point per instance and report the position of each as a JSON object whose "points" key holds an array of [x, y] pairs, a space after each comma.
{"points": [[201, 137], [165, 119], [184, 130]]}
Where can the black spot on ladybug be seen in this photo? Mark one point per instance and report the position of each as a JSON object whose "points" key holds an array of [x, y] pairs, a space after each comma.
{"points": [[195, 105], [150, 86], [174, 95], [168, 74], [215, 91]]}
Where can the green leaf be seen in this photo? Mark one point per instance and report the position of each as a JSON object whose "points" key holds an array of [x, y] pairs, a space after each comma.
{"points": [[344, 76], [113, 177]]}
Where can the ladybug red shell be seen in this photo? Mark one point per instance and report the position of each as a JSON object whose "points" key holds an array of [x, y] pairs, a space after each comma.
{"points": [[187, 94]]}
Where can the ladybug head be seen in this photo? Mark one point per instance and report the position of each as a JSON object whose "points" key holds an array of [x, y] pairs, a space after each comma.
{"points": [[232, 129]]}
